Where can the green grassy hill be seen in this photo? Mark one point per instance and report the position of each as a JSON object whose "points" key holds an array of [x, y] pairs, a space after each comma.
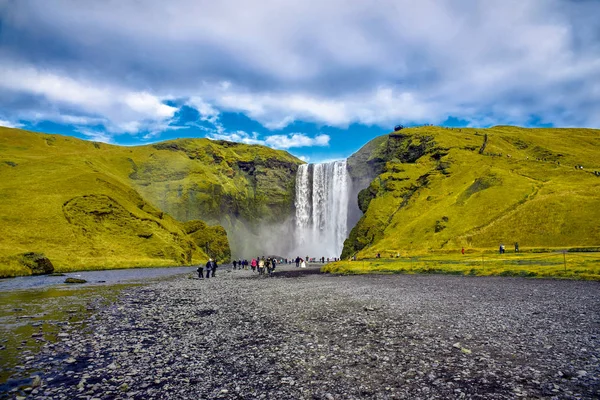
{"points": [[437, 189], [89, 205]]}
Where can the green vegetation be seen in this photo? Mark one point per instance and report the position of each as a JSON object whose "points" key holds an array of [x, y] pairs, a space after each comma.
{"points": [[432, 191], [87, 205], [569, 265]]}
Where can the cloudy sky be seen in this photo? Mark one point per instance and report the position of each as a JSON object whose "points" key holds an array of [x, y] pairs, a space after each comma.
{"points": [[317, 78]]}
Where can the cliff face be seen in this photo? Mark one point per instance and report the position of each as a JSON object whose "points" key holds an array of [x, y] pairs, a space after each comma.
{"points": [[246, 189], [91, 205], [433, 188]]}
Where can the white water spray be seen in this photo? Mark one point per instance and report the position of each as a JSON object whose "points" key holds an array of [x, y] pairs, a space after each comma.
{"points": [[321, 209]]}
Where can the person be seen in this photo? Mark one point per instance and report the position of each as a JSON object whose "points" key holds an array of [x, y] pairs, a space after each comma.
{"points": [[269, 265], [214, 267], [463, 250], [200, 271], [378, 255], [261, 265], [302, 263], [297, 261], [208, 267], [273, 264], [253, 264], [234, 264], [516, 247]]}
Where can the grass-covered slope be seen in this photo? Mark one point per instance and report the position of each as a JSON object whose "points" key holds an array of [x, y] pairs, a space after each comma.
{"points": [[92, 205], [439, 189], [242, 187]]}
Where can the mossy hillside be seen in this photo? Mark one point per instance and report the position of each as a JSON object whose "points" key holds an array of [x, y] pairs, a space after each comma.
{"points": [[435, 191], [211, 239], [242, 187], [67, 198]]}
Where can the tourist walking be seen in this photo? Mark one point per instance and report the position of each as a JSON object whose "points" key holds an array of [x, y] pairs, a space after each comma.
{"points": [[253, 264], [208, 267], [297, 261], [302, 263], [261, 266], [234, 264], [213, 268]]}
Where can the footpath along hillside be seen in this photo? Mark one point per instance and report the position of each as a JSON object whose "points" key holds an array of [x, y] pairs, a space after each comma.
{"points": [[305, 335]]}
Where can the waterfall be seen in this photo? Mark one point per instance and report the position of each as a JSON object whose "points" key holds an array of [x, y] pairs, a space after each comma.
{"points": [[321, 209]]}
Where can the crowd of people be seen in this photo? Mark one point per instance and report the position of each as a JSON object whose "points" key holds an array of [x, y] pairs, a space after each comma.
{"points": [[260, 265]]}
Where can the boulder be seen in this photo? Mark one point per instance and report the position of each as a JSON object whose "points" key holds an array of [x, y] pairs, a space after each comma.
{"points": [[75, 280], [38, 263]]}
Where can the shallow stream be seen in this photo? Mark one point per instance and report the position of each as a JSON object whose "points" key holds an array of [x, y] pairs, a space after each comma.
{"points": [[35, 309]]}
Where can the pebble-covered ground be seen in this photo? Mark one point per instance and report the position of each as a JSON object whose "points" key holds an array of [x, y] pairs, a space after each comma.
{"points": [[313, 336]]}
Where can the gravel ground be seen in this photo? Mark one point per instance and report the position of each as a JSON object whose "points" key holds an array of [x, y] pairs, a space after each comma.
{"points": [[313, 336]]}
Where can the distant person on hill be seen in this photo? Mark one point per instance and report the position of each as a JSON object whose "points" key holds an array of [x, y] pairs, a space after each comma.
{"points": [[213, 268], [463, 250], [516, 247]]}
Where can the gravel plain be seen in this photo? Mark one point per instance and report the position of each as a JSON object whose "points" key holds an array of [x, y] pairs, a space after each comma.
{"points": [[304, 335]]}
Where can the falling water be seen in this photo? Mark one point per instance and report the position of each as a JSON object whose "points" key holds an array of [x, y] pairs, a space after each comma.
{"points": [[321, 209]]}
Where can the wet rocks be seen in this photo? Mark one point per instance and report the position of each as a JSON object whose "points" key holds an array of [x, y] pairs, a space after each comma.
{"points": [[327, 337]]}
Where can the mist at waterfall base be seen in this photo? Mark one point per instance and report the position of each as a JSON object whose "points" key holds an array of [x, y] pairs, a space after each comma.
{"points": [[324, 210]]}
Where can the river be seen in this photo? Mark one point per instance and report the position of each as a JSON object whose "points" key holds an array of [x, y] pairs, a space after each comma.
{"points": [[34, 309]]}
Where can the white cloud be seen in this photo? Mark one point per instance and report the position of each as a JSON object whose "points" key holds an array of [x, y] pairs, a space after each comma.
{"points": [[296, 140], [119, 109], [333, 62], [9, 124], [96, 136], [282, 142], [239, 136]]}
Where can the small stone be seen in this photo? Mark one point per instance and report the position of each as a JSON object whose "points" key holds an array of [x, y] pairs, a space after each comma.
{"points": [[124, 387], [37, 381], [70, 360]]}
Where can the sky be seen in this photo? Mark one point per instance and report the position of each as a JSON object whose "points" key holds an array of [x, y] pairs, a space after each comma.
{"points": [[316, 78]]}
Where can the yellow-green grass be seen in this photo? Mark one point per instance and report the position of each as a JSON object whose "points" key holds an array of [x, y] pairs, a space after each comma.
{"points": [[551, 264], [454, 197], [89, 205]]}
